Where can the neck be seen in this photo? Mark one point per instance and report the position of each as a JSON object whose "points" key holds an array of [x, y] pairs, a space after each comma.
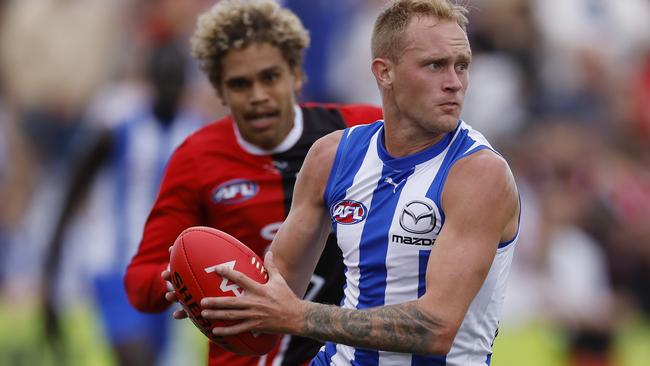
{"points": [[403, 137]]}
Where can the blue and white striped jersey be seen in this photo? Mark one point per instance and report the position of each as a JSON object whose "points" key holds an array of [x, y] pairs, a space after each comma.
{"points": [[387, 213], [130, 183]]}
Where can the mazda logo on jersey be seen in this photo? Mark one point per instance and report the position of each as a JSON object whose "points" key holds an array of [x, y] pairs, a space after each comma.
{"points": [[417, 217], [235, 191], [348, 212]]}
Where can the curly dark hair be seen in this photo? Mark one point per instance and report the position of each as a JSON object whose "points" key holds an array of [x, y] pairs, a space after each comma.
{"points": [[236, 24]]}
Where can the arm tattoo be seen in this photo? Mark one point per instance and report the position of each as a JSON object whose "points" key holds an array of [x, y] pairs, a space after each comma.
{"points": [[397, 328]]}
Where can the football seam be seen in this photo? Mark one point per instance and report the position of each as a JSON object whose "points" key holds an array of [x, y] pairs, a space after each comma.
{"points": [[185, 256], [189, 266], [241, 339], [242, 250], [227, 237]]}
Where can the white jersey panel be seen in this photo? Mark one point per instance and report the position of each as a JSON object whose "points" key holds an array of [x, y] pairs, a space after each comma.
{"points": [[365, 182], [387, 214], [471, 345], [418, 213]]}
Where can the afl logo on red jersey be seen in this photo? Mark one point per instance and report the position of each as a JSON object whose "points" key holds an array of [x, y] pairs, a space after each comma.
{"points": [[348, 212], [235, 191]]}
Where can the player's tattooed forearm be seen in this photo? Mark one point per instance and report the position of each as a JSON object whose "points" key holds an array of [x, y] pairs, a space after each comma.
{"points": [[398, 328]]}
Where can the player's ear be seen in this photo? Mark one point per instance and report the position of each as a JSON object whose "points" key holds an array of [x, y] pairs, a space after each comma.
{"points": [[383, 70], [219, 91], [298, 79]]}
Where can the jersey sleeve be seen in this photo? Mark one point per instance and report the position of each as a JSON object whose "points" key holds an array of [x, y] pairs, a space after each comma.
{"points": [[176, 207], [356, 114]]}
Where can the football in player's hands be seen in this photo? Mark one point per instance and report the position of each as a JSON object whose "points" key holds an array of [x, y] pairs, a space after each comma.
{"points": [[195, 254]]}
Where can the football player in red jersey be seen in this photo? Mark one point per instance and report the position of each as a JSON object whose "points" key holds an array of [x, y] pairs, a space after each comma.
{"points": [[237, 174]]}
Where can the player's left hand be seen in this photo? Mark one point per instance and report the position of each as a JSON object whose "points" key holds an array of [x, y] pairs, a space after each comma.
{"points": [[170, 295], [264, 308]]}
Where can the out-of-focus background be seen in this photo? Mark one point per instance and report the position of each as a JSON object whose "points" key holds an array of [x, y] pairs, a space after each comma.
{"points": [[561, 88]]}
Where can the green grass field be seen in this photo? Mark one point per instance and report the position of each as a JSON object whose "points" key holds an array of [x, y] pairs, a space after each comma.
{"points": [[22, 342], [543, 345]]}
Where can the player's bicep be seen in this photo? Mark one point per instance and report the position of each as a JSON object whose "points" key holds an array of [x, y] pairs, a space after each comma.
{"points": [[478, 213], [301, 238]]}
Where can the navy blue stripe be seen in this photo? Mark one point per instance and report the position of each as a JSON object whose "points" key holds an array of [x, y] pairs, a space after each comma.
{"points": [[461, 144], [324, 358], [373, 250], [422, 274], [488, 359], [330, 351], [478, 148], [420, 360], [506, 243], [373, 246], [349, 158]]}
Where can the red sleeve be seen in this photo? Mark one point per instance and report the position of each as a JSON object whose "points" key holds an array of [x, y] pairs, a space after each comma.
{"points": [[176, 208], [355, 114]]}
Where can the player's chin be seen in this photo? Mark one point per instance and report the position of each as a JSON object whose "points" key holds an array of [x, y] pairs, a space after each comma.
{"points": [[448, 121]]}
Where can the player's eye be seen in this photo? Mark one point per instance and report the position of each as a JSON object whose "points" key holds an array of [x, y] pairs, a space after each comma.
{"points": [[238, 84], [435, 66], [270, 76], [463, 66]]}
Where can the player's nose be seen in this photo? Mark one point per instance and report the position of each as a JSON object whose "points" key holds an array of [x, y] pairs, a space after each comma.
{"points": [[452, 81], [259, 93]]}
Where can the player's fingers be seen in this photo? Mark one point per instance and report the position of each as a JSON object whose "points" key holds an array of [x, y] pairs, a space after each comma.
{"points": [[171, 296], [238, 328], [236, 277], [222, 303], [179, 314], [166, 275], [225, 314]]}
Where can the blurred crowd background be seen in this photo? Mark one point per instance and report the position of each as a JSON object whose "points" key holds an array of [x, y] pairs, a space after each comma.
{"points": [[561, 88]]}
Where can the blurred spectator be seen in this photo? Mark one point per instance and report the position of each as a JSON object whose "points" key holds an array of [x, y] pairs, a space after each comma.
{"points": [[54, 55], [563, 88], [502, 94], [49, 71], [561, 274], [323, 19], [589, 47], [348, 72], [126, 187]]}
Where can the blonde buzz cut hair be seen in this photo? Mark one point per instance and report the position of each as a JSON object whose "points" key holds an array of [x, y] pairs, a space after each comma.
{"points": [[236, 24], [387, 35]]}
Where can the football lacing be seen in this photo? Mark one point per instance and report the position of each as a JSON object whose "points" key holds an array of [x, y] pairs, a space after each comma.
{"points": [[260, 267]]}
